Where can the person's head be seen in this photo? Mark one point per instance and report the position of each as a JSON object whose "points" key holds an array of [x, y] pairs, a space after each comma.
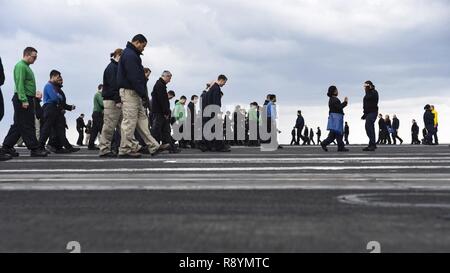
{"points": [[117, 54], [253, 105], [82, 115], [380, 115], [30, 55], [432, 107], [100, 88], [368, 85], [183, 100], [318, 128], [147, 72], [413, 121], [387, 117], [208, 85], [346, 123], [427, 107], [166, 76], [394, 116], [171, 94], [332, 91], [273, 98], [55, 76], [299, 113], [222, 80], [194, 99], [140, 42], [268, 96]]}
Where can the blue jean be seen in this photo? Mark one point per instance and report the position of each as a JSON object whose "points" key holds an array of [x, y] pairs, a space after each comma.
{"points": [[370, 128]]}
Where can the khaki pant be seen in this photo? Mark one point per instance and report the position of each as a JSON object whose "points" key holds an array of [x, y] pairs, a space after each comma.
{"points": [[112, 118], [134, 118]]}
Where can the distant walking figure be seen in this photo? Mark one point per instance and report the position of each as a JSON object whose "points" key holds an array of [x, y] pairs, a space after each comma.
{"points": [[370, 113], [435, 136], [415, 133], [299, 124], [395, 127], [335, 120], [428, 119], [346, 133], [319, 135]]}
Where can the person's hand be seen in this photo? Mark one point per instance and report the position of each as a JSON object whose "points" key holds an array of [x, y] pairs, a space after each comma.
{"points": [[73, 107], [346, 99], [38, 94], [25, 105], [119, 105]]}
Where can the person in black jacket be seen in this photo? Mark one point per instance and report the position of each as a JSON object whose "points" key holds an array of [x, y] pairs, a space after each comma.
{"points": [[382, 130], [112, 113], [387, 133], [370, 105], [214, 99], [346, 133], [133, 93], [395, 128], [428, 119], [415, 133], [319, 135], [336, 107], [306, 140], [80, 129], [3, 156], [192, 118], [299, 124], [161, 112], [2, 81]]}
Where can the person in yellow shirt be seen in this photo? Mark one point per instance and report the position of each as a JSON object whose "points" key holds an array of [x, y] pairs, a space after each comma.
{"points": [[436, 123]]}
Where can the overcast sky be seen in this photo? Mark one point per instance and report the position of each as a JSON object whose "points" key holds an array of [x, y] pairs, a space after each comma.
{"points": [[293, 48]]}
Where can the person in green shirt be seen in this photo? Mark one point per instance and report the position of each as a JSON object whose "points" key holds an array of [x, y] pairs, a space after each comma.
{"points": [[24, 110], [97, 118], [179, 113]]}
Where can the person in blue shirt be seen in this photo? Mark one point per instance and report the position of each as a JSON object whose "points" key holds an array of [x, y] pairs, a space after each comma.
{"points": [[53, 99]]}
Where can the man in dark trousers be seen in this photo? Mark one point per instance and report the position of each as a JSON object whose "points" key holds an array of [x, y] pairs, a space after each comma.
{"points": [[162, 113], [415, 133], [192, 117], [214, 98], [24, 113], [428, 119], [52, 101], [311, 136], [3, 156], [346, 133], [395, 127], [306, 140], [370, 107], [80, 129], [319, 135], [382, 130], [299, 124], [58, 140]]}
